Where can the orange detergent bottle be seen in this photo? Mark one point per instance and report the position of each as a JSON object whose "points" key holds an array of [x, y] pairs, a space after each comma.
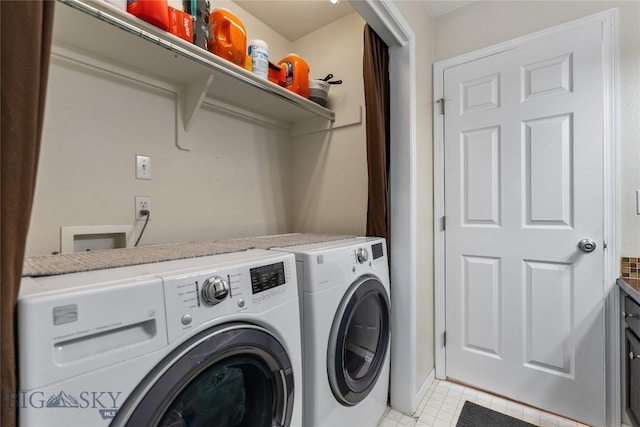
{"points": [[227, 36], [295, 73]]}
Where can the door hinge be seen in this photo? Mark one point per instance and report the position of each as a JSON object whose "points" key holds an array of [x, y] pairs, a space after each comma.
{"points": [[444, 339], [443, 223], [441, 102]]}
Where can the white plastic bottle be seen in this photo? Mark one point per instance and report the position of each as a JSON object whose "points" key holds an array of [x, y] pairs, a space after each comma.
{"points": [[258, 51]]}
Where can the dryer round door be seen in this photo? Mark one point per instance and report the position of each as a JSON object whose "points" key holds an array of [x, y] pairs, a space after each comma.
{"points": [[359, 341], [236, 375]]}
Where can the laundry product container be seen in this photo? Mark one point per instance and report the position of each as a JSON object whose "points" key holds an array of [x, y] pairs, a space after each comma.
{"points": [[275, 74], [259, 53], [155, 12], [227, 36], [181, 24], [296, 74], [199, 9]]}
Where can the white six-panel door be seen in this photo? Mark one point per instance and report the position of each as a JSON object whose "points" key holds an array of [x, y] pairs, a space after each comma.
{"points": [[523, 132]]}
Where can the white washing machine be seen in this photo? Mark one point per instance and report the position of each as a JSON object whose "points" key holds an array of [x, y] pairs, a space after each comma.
{"points": [[197, 342], [344, 291]]}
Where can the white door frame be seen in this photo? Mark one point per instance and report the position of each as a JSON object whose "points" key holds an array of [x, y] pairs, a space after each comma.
{"points": [[609, 20], [389, 23]]}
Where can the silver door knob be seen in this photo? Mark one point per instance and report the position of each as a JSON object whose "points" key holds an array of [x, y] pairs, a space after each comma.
{"points": [[587, 245], [632, 355]]}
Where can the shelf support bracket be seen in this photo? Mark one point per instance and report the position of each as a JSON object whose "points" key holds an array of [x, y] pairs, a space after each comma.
{"points": [[188, 102], [346, 117]]}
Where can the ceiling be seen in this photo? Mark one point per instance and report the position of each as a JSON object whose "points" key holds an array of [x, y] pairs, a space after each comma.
{"points": [[295, 19], [442, 7]]}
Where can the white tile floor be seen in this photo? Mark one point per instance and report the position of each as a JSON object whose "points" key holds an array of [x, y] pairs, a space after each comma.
{"points": [[443, 402]]}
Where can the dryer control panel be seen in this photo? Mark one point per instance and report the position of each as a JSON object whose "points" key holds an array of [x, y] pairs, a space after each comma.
{"points": [[326, 265]]}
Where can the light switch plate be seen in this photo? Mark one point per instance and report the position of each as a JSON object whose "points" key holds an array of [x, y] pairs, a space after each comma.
{"points": [[637, 202], [143, 167]]}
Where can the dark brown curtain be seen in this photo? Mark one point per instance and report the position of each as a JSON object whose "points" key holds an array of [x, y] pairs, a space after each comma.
{"points": [[376, 95], [25, 31]]}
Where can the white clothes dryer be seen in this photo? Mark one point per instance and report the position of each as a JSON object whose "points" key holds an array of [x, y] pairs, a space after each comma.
{"points": [[345, 310], [197, 342]]}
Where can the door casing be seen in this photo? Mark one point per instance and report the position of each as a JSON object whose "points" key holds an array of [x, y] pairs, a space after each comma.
{"points": [[405, 388], [609, 21]]}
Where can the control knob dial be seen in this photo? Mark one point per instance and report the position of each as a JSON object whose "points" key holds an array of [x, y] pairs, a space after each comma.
{"points": [[362, 255], [214, 290]]}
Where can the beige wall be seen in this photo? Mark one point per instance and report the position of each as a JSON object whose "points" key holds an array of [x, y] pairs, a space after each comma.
{"points": [[233, 183], [240, 179], [486, 23], [329, 169], [279, 47], [422, 24]]}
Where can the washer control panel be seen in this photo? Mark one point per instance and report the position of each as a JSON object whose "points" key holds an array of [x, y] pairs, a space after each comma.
{"points": [[197, 297]]}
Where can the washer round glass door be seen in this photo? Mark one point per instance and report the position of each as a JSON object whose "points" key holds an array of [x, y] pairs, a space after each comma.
{"points": [[235, 376], [359, 341]]}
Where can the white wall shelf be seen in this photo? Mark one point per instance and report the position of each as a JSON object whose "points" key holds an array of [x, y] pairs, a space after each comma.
{"points": [[98, 28]]}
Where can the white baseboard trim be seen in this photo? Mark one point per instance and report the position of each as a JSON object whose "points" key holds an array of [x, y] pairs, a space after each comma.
{"points": [[425, 386]]}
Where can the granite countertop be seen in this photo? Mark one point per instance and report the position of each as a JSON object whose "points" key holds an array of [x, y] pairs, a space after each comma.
{"points": [[631, 287]]}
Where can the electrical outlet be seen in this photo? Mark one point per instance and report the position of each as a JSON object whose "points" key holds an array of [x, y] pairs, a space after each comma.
{"points": [[142, 203], [143, 167]]}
